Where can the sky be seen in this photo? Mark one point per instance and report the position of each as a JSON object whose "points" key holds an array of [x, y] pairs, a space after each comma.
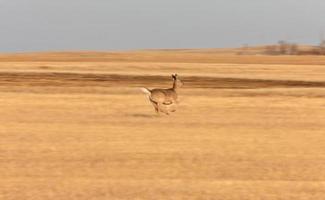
{"points": [[54, 25]]}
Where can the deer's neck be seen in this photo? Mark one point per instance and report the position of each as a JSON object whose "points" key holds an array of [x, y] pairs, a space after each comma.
{"points": [[175, 85]]}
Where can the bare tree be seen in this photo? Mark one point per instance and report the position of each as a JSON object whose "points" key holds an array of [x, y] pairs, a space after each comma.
{"points": [[293, 49], [322, 47], [271, 50], [282, 47], [286, 48]]}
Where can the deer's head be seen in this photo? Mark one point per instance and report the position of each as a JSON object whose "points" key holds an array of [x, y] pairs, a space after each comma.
{"points": [[177, 81]]}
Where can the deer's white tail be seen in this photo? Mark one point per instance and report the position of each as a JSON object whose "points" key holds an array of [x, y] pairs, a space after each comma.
{"points": [[146, 91]]}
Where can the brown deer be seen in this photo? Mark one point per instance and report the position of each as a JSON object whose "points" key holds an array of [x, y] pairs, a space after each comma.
{"points": [[164, 97]]}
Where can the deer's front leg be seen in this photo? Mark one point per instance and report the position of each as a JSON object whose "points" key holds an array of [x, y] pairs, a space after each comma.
{"points": [[162, 108]]}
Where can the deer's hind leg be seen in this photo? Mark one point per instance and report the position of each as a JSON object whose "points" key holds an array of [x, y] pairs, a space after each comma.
{"points": [[155, 105], [158, 108]]}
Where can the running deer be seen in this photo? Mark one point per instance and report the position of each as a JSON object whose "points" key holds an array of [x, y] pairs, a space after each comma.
{"points": [[164, 97]]}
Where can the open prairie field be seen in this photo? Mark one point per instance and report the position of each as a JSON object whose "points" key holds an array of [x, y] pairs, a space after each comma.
{"points": [[76, 126]]}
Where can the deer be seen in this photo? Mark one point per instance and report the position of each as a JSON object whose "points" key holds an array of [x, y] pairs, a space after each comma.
{"points": [[164, 97]]}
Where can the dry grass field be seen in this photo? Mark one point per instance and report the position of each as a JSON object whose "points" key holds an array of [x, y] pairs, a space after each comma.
{"points": [[76, 126]]}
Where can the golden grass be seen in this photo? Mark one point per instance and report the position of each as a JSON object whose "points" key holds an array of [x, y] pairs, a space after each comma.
{"points": [[82, 130], [168, 56]]}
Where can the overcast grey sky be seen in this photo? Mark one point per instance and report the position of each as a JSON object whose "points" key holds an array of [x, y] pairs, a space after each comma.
{"points": [[42, 25]]}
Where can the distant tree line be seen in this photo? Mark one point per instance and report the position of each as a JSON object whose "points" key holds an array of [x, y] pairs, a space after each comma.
{"points": [[287, 48]]}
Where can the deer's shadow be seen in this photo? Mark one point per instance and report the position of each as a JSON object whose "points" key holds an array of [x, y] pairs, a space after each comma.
{"points": [[143, 115]]}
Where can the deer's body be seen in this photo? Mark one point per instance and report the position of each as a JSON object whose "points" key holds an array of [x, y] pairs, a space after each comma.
{"points": [[164, 97]]}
